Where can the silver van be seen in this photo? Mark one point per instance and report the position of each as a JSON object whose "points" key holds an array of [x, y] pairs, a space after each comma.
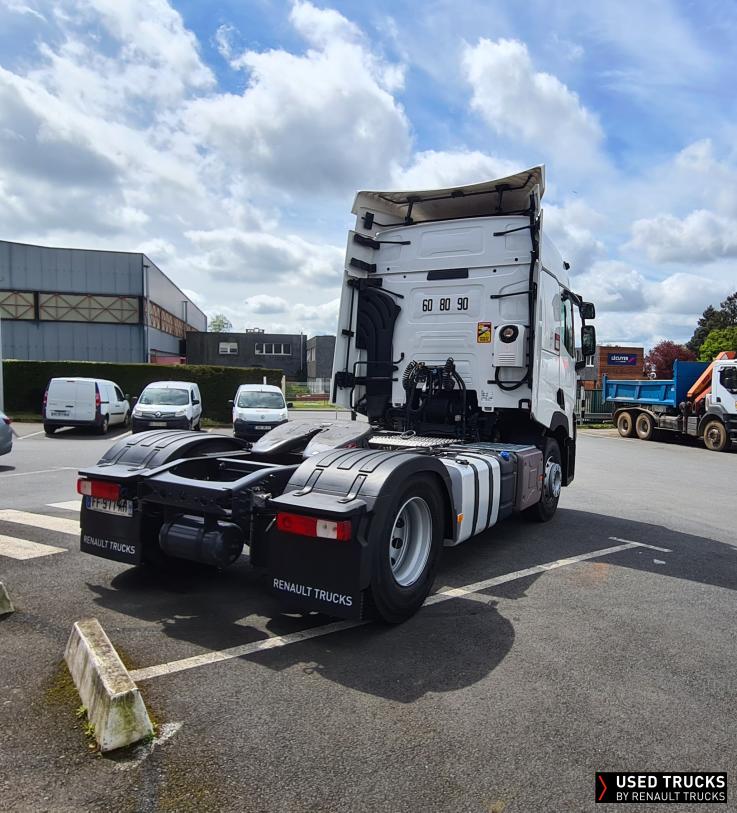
{"points": [[93, 402]]}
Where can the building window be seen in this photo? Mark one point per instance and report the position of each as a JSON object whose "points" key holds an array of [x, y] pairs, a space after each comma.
{"points": [[228, 348], [273, 349]]}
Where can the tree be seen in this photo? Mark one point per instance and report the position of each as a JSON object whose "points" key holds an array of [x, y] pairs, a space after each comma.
{"points": [[713, 319], [660, 359], [717, 341], [219, 323]]}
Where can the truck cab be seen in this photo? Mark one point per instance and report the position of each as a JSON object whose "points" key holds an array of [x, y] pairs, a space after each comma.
{"points": [[457, 316]]}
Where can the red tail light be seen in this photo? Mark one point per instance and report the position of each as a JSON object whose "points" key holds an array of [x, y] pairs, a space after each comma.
{"points": [[98, 488], [46, 398], [313, 526], [7, 420], [98, 400]]}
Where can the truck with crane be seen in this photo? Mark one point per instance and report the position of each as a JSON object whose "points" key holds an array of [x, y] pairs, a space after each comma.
{"points": [[700, 401], [456, 342]]}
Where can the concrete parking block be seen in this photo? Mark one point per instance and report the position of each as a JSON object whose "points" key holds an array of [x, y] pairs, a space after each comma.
{"points": [[6, 605], [114, 704]]}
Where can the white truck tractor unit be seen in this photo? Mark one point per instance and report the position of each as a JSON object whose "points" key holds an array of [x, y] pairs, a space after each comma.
{"points": [[456, 341]]}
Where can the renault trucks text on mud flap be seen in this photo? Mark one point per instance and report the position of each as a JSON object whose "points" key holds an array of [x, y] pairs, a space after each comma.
{"points": [[456, 341]]}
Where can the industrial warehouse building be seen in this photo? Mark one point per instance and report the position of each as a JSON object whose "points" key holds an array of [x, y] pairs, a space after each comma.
{"points": [[61, 304]]}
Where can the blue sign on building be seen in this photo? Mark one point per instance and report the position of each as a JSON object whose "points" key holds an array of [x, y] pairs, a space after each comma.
{"points": [[624, 359]]}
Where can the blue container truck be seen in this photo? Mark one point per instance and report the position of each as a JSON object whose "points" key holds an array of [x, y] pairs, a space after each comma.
{"points": [[700, 401]]}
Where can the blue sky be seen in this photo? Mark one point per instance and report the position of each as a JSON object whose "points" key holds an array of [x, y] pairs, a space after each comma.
{"points": [[227, 139]]}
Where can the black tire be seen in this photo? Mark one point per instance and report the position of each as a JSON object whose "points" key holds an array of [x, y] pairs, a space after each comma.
{"points": [[49, 429], [127, 420], [716, 438], [626, 425], [103, 427], [544, 510], [645, 426], [198, 428], [395, 602]]}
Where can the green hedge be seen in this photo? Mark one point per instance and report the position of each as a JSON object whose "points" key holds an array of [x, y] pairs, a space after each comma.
{"points": [[25, 381]]}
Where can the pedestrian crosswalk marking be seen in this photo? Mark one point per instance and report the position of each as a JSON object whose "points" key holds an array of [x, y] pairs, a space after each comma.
{"points": [[69, 505], [48, 523], [25, 549]]}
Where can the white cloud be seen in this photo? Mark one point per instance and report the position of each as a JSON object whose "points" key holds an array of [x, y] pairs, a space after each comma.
{"points": [[517, 101], [241, 257], [322, 26], [702, 236], [437, 169], [324, 121], [574, 228]]}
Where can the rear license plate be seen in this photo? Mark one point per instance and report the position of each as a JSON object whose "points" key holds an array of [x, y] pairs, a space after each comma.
{"points": [[264, 428], [62, 412], [157, 423], [122, 507]]}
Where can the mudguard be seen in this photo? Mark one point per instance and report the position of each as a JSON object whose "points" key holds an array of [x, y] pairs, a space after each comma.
{"points": [[127, 462], [148, 450], [330, 575]]}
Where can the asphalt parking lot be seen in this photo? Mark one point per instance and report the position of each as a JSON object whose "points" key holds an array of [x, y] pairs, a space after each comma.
{"points": [[618, 654]]}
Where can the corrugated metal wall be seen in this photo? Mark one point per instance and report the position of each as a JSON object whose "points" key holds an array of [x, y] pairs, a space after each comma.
{"points": [[68, 270], [78, 341], [165, 293]]}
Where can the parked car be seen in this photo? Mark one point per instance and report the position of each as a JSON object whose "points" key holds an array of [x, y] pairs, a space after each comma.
{"points": [[257, 409], [93, 402], [168, 405], [6, 434]]}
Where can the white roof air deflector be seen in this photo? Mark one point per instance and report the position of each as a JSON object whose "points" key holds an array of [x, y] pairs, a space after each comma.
{"points": [[510, 195]]}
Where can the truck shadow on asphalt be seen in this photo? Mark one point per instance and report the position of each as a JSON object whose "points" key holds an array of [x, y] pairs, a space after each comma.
{"points": [[446, 646]]}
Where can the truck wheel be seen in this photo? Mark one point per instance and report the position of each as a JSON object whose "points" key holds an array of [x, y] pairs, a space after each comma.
{"points": [[407, 540], [103, 427], [716, 438], [49, 429], [645, 426], [626, 425], [546, 507]]}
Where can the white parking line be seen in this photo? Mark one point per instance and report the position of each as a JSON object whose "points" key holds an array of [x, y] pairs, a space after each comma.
{"points": [[30, 435], [24, 549], [641, 544], [316, 632], [69, 505], [48, 523], [40, 471]]}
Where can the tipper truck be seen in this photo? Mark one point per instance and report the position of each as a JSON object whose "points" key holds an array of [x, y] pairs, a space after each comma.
{"points": [[700, 401], [456, 342]]}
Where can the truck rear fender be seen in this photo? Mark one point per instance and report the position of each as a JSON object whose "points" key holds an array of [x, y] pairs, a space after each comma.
{"points": [[344, 484]]}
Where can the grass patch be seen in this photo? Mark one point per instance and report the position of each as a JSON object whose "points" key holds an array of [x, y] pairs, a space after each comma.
{"points": [[315, 405], [597, 426], [26, 417]]}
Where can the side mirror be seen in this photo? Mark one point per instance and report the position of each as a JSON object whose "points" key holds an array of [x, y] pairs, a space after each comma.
{"points": [[133, 400], [587, 310], [231, 402], [195, 401], [588, 340], [290, 405]]}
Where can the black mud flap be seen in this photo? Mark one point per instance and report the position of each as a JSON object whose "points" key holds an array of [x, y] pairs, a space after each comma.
{"points": [[111, 536], [314, 574]]}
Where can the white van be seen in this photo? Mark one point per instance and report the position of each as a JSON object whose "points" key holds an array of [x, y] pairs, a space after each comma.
{"points": [[257, 409], [168, 405], [93, 402]]}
